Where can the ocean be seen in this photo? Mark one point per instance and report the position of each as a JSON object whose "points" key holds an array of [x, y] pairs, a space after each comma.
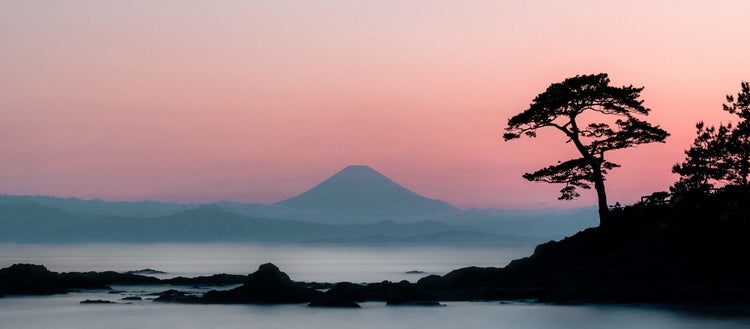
{"points": [[320, 263]]}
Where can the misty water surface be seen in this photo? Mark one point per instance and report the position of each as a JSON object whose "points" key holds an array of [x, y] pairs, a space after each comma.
{"points": [[309, 263]]}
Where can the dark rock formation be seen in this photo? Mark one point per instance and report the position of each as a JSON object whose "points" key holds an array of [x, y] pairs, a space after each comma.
{"points": [[213, 280], [145, 271], [688, 252], [101, 280], [29, 279], [384, 291], [175, 296], [97, 301], [268, 285]]}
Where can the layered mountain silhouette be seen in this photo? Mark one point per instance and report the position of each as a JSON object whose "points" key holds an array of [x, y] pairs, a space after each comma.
{"points": [[356, 205], [360, 191]]}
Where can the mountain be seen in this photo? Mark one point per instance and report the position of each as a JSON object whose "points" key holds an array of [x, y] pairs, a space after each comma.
{"points": [[101, 208], [358, 204], [27, 222], [360, 192]]}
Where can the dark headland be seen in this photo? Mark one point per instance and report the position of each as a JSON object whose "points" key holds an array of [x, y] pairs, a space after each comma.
{"points": [[691, 251]]}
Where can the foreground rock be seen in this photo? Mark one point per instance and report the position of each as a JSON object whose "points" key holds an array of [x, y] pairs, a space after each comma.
{"points": [[268, 285], [692, 252], [212, 280], [29, 279], [97, 301]]}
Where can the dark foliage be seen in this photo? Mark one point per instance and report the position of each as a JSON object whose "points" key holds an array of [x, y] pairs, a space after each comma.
{"points": [[563, 106], [719, 155]]}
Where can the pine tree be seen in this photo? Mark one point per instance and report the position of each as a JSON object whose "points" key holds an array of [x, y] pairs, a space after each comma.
{"points": [[719, 155], [566, 106]]}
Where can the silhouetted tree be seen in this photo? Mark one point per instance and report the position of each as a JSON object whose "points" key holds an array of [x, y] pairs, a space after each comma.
{"points": [[703, 163], [565, 106], [719, 154], [738, 147]]}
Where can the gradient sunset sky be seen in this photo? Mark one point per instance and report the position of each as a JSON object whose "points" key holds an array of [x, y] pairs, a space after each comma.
{"points": [[257, 101]]}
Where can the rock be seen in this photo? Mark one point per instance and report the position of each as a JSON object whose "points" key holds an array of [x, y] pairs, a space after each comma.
{"points": [[97, 301], [268, 285], [382, 291], [213, 280], [176, 296], [29, 279], [145, 271], [318, 285]]}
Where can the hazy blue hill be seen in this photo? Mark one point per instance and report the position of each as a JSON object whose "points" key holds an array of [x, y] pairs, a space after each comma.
{"points": [[100, 208], [23, 221], [360, 192], [358, 204], [26, 222], [210, 224], [548, 223]]}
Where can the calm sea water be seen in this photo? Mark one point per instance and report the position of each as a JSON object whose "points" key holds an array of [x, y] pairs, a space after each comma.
{"points": [[308, 263], [323, 263]]}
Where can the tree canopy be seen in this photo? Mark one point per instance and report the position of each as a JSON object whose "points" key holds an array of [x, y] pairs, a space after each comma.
{"points": [[719, 155], [566, 106]]}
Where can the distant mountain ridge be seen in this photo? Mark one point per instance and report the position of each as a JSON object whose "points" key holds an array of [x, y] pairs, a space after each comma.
{"points": [[364, 192], [357, 205]]}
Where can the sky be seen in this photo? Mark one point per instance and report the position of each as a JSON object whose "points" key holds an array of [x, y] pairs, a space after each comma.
{"points": [[257, 101]]}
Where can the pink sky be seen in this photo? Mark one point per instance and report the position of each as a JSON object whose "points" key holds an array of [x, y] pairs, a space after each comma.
{"points": [[257, 101]]}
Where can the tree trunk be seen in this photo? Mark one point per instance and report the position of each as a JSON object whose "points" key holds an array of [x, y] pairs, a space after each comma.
{"points": [[597, 176], [744, 164], [601, 195]]}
